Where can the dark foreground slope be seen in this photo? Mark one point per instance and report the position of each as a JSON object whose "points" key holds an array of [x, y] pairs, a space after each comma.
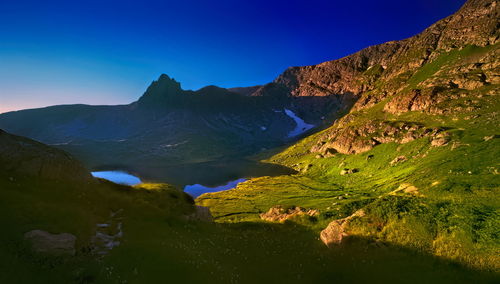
{"points": [[160, 241], [418, 153], [24, 157]]}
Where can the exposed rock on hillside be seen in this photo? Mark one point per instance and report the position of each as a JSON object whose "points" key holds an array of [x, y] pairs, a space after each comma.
{"points": [[53, 244], [20, 156], [336, 230], [281, 214], [358, 139], [398, 159]]}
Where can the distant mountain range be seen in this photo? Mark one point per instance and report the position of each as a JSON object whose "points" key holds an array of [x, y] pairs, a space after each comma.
{"points": [[170, 132]]}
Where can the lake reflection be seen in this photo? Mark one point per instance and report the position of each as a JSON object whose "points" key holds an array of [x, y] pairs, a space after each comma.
{"points": [[196, 190], [118, 177]]}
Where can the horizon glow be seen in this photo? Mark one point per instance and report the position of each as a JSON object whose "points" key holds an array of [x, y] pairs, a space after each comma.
{"points": [[108, 52]]}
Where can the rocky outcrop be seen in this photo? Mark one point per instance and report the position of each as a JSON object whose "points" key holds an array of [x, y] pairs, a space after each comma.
{"points": [[335, 232], [20, 156], [405, 188], [108, 235], [51, 244], [347, 139], [416, 100], [476, 23], [441, 139], [281, 214]]}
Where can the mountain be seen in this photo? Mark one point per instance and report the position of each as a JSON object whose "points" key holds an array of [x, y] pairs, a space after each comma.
{"points": [[170, 132], [414, 161], [394, 62]]}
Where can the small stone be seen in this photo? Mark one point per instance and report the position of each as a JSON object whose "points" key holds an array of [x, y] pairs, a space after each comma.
{"points": [[397, 160], [344, 172], [440, 141]]}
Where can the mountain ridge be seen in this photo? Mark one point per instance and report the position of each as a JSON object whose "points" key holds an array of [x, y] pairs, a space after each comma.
{"points": [[412, 163]]}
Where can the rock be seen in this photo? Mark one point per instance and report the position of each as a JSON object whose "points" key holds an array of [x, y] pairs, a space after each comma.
{"points": [[362, 138], [348, 171], [488, 138], [440, 140], [52, 244], [406, 188], [108, 235], [307, 167], [280, 214], [330, 152], [398, 160], [333, 234], [335, 231]]}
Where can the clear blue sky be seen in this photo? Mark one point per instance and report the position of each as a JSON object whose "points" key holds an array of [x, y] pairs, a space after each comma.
{"points": [[107, 52]]}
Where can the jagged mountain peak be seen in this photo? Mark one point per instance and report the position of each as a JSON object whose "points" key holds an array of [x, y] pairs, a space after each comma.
{"points": [[161, 92]]}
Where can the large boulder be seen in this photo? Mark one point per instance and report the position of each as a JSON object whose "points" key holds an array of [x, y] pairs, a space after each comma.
{"points": [[53, 244], [336, 230]]}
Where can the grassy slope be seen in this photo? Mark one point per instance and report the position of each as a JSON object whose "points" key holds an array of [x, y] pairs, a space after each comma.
{"points": [[159, 245], [456, 211]]}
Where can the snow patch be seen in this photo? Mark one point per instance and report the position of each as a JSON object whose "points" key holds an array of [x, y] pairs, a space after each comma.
{"points": [[301, 127]]}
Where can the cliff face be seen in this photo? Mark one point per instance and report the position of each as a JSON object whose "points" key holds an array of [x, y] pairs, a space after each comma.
{"points": [[455, 58], [391, 63], [22, 157]]}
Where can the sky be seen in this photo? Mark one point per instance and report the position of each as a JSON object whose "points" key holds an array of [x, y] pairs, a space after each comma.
{"points": [[108, 52]]}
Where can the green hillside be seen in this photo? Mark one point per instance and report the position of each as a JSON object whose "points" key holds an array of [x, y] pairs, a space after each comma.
{"points": [[425, 173]]}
